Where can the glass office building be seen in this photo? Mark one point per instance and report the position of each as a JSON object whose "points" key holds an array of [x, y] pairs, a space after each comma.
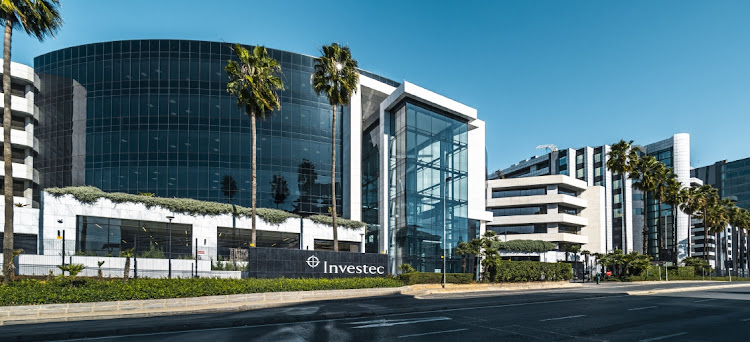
{"points": [[428, 186], [154, 116]]}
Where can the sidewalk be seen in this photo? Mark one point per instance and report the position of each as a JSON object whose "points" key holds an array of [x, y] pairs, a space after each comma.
{"points": [[46, 313]]}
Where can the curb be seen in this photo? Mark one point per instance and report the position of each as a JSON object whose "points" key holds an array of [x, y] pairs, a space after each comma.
{"points": [[683, 289], [48, 313]]}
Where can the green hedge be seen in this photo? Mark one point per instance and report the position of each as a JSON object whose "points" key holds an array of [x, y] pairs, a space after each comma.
{"points": [[686, 271], [78, 290], [519, 271], [90, 194], [341, 222], [436, 278]]}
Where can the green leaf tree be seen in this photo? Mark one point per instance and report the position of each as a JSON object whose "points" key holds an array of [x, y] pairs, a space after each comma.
{"points": [[39, 18], [335, 75], [255, 80], [621, 159]]}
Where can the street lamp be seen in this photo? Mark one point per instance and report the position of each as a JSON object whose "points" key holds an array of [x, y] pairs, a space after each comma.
{"points": [[445, 212], [169, 227]]}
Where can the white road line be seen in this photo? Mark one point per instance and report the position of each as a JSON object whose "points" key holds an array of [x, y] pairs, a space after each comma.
{"points": [[392, 322], [704, 300], [642, 308], [432, 333], [559, 318], [745, 320], [467, 308], [663, 337]]}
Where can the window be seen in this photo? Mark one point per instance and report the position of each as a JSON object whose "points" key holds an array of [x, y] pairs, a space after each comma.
{"points": [[564, 228], [564, 191], [567, 210], [598, 158], [520, 229], [518, 192], [534, 210]]}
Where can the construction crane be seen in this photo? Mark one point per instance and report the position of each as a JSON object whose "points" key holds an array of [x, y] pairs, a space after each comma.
{"points": [[549, 147]]}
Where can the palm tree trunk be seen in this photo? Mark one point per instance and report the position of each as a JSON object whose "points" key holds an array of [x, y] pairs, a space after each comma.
{"points": [[255, 184], [333, 183], [624, 224], [658, 227], [705, 236], [645, 223], [690, 234], [126, 272], [8, 179]]}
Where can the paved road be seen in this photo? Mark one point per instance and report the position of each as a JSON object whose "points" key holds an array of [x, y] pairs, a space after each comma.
{"points": [[589, 313]]}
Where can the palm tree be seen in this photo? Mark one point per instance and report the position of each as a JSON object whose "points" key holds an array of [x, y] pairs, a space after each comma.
{"points": [[463, 249], [622, 158], [661, 175], [736, 219], [255, 80], [691, 202], [709, 199], [672, 196], [645, 172], [127, 254], [337, 77], [586, 253], [39, 18]]}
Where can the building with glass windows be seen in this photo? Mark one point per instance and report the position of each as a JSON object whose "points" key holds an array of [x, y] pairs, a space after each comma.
{"points": [[553, 208], [732, 180], [640, 231], [154, 116]]}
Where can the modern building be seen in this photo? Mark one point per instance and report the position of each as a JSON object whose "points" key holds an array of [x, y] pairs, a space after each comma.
{"points": [[588, 164], [554, 208], [24, 145], [154, 116], [732, 180]]}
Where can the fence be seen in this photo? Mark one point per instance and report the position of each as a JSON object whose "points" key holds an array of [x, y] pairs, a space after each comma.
{"points": [[114, 267]]}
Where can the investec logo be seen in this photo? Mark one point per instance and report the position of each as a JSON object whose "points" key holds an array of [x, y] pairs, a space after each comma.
{"points": [[313, 262]]}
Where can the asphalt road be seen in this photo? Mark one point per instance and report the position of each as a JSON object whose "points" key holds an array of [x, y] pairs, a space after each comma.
{"points": [[590, 313]]}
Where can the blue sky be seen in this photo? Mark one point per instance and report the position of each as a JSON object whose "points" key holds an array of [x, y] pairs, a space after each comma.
{"points": [[570, 73]]}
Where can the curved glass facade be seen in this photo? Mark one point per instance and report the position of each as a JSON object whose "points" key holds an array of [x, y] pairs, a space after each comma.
{"points": [[154, 116]]}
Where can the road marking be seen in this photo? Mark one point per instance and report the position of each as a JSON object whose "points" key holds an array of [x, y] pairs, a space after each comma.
{"points": [[642, 308], [434, 332], [130, 336], [704, 300], [663, 337], [392, 322], [559, 318], [745, 320]]}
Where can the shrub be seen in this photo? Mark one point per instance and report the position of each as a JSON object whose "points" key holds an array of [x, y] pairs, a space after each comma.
{"points": [[90, 194], [529, 246], [517, 271], [59, 290], [435, 278], [406, 268], [686, 271], [72, 269], [152, 253], [327, 220]]}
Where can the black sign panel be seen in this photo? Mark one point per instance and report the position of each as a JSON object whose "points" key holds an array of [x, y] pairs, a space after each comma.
{"points": [[292, 263]]}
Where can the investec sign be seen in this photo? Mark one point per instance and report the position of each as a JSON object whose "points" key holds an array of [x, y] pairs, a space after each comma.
{"points": [[313, 262]]}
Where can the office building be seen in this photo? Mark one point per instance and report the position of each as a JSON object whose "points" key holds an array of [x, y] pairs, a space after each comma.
{"points": [[588, 164], [553, 208], [732, 180], [154, 116]]}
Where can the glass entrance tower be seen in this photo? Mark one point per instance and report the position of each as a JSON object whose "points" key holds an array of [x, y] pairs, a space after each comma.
{"points": [[428, 163]]}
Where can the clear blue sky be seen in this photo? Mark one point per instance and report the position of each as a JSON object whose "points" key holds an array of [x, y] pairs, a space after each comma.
{"points": [[570, 73]]}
